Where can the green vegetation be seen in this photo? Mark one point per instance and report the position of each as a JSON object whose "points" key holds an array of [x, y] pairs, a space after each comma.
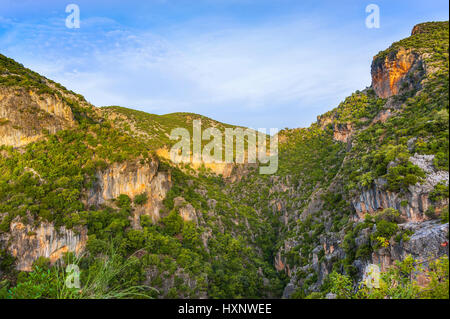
{"points": [[48, 179], [302, 217], [357, 109], [383, 149]]}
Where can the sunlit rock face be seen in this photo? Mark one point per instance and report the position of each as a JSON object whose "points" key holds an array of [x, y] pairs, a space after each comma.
{"points": [[425, 245], [132, 178], [389, 74], [231, 171], [27, 242], [25, 115]]}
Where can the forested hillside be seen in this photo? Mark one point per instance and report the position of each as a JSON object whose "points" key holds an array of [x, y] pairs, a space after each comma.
{"points": [[366, 184]]}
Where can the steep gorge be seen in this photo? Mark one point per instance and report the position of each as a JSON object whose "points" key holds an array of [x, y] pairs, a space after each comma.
{"points": [[196, 227]]}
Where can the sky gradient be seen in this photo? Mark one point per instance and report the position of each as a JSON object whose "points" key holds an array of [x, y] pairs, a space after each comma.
{"points": [[256, 63]]}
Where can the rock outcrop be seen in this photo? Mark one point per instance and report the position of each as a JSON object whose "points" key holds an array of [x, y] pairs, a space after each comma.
{"points": [[172, 280], [412, 204], [426, 244], [342, 132], [25, 115], [396, 71], [132, 178], [231, 171], [27, 243], [185, 209]]}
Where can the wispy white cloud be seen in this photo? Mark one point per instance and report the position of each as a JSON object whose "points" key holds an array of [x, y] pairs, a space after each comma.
{"points": [[281, 73]]}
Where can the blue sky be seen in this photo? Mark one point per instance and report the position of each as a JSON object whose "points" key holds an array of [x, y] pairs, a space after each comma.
{"points": [[257, 63]]}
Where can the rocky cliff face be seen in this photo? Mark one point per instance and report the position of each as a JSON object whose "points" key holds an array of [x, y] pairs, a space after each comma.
{"points": [[342, 132], [27, 242], [345, 243], [132, 178], [25, 115], [395, 72], [426, 244]]}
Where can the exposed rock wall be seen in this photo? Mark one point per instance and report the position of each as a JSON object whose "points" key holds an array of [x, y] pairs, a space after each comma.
{"points": [[342, 132], [230, 171], [426, 244], [132, 178], [27, 243], [24, 115], [413, 204], [391, 72]]}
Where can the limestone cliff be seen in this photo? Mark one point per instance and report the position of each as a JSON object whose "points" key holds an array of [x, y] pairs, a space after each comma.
{"points": [[25, 115], [27, 242], [426, 244], [132, 178], [231, 171], [186, 210], [413, 203]]}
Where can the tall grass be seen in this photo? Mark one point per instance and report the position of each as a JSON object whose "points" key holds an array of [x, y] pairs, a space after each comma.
{"points": [[102, 283], [104, 279]]}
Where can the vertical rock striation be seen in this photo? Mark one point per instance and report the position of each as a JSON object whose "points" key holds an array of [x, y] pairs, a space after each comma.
{"points": [[132, 178]]}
